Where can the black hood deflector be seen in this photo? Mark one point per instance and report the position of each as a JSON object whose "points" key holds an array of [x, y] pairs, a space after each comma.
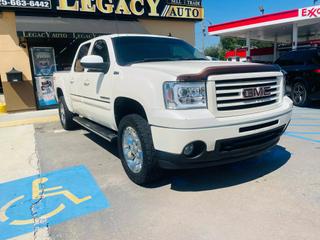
{"points": [[233, 69]]}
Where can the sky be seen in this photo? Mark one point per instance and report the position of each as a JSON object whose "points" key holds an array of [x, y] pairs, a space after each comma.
{"points": [[219, 11]]}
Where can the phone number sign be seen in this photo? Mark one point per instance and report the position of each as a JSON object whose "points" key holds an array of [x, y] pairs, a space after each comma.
{"points": [[35, 4]]}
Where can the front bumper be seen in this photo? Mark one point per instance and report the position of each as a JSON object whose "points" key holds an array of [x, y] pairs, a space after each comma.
{"points": [[226, 151], [249, 130]]}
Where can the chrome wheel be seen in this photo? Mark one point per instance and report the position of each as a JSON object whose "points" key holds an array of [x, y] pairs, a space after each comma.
{"points": [[299, 93], [62, 113], [132, 149]]}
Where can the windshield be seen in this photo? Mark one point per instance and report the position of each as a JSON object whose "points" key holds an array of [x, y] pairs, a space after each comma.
{"points": [[134, 49]]}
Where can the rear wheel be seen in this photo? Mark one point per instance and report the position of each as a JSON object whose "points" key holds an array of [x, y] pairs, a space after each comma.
{"points": [[299, 94], [136, 150], [66, 117]]}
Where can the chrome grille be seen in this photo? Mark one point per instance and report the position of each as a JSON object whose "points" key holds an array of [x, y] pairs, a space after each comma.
{"points": [[229, 93]]}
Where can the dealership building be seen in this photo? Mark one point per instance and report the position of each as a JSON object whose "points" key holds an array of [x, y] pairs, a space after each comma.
{"points": [[39, 37]]}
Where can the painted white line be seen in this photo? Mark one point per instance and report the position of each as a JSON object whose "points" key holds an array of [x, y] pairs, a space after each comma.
{"points": [[59, 131]]}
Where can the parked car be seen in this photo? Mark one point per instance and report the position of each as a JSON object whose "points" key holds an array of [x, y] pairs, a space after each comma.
{"points": [[168, 106], [303, 75]]}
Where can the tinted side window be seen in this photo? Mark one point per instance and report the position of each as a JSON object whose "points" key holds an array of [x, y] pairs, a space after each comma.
{"points": [[312, 57], [298, 58], [83, 51], [316, 58], [289, 59], [100, 48]]}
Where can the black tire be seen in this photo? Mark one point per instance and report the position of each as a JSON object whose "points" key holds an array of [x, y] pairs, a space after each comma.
{"points": [[299, 94], [149, 171], [66, 120]]}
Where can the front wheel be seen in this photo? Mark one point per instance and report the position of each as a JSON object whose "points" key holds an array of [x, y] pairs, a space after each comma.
{"points": [[299, 94], [136, 150]]}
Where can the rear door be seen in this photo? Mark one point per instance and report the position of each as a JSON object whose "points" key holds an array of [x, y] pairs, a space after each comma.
{"points": [[96, 88], [76, 79]]}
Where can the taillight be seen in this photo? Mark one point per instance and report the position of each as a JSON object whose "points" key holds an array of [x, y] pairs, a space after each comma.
{"points": [[317, 71]]}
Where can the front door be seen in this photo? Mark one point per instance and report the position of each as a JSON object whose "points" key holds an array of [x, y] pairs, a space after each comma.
{"points": [[96, 89], [76, 80]]}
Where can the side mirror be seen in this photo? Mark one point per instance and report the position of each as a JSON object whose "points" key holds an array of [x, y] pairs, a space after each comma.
{"points": [[94, 63]]}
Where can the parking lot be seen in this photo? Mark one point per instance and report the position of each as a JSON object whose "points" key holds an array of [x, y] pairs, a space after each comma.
{"points": [[276, 196]]}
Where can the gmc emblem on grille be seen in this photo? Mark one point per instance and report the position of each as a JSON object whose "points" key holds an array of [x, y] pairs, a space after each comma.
{"points": [[256, 92]]}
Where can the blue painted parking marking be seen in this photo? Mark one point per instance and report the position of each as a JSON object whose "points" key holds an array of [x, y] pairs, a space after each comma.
{"points": [[305, 125], [300, 135], [52, 198], [305, 119], [305, 133]]}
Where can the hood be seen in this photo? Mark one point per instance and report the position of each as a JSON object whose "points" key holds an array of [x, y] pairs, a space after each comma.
{"points": [[179, 68]]}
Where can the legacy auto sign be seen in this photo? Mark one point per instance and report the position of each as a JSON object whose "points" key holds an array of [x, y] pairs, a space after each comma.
{"points": [[184, 9]]}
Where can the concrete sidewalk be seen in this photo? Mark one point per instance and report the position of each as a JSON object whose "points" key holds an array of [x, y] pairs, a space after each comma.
{"points": [[26, 118], [18, 158]]}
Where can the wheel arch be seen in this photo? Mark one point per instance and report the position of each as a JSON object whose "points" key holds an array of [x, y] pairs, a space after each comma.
{"points": [[302, 80], [124, 106], [59, 92]]}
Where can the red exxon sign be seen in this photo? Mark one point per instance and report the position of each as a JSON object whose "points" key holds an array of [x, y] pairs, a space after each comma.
{"points": [[311, 12]]}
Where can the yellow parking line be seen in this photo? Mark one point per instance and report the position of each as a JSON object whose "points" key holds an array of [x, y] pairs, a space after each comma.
{"points": [[3, 108], [29, 121]]}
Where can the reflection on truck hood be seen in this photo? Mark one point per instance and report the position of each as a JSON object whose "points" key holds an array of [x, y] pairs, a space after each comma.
{"points": [[177, 68]]}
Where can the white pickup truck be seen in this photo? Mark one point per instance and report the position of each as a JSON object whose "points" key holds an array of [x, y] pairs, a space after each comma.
{"points": [[168, 106]]}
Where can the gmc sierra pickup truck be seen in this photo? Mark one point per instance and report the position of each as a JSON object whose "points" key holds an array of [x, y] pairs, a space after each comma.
{"points": [[168, 106]]}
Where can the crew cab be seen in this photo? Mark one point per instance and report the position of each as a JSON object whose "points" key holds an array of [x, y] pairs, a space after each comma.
{"points": [[168, 106]]}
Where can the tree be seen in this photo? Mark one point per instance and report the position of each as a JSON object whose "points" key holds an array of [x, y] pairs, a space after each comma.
{"points": [[232, 43], [215, 52], [212, 51]]}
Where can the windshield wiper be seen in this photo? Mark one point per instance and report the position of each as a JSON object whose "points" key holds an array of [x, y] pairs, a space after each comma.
{"points": [[192, 59], [153, 60]]}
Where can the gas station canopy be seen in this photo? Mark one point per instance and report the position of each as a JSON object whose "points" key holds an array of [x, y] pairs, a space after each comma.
{"points": [[282, 27]]}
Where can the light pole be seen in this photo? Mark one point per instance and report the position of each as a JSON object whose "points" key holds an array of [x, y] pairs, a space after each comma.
{"points": [[261, 9], [204, 32]]}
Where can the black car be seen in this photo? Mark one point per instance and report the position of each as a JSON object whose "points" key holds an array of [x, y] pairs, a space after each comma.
{"points": [[303, 75]]}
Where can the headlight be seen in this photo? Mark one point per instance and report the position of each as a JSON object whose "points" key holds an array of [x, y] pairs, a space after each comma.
{"points": [[188, 95]]}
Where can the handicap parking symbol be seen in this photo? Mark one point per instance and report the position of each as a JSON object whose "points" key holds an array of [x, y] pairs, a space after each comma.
{"points": [[46, 200]]}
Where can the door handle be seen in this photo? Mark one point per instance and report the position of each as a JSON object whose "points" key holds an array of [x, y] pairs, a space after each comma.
{"points": [[72, 81], [86, 84]]}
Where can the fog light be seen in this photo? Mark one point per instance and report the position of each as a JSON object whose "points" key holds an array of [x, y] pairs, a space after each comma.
{"points": [[194, 150], [188, 150]]}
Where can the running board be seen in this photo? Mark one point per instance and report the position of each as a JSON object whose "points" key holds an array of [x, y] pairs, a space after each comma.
{"points": [[103, 132]]}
